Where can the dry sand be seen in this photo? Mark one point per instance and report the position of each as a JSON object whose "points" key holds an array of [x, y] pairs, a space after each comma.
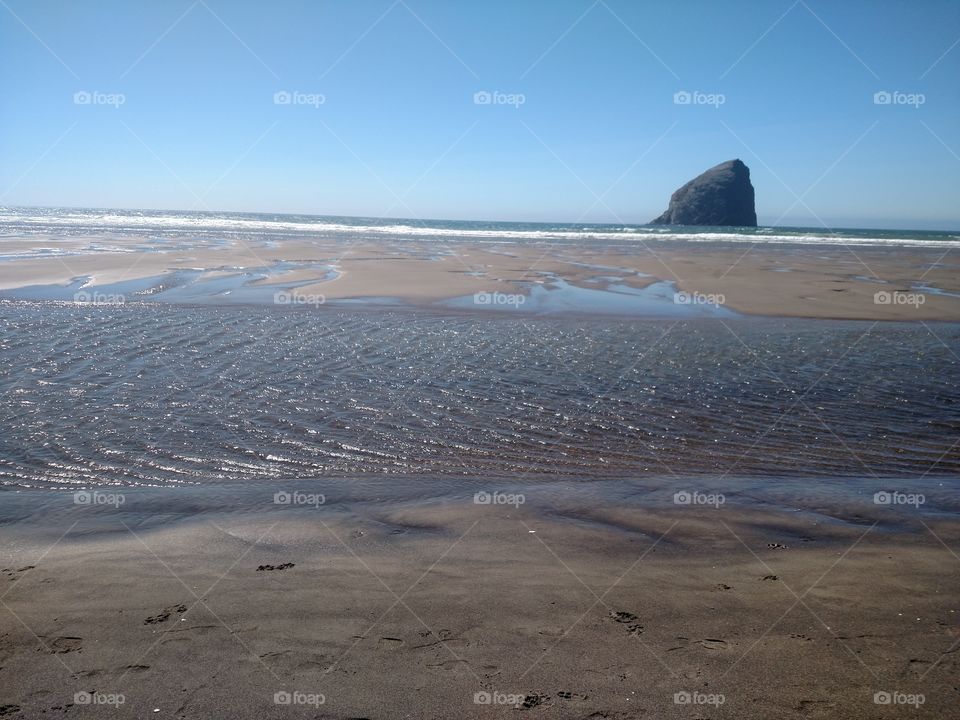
{"points": [[814, 281], [411, 609]]}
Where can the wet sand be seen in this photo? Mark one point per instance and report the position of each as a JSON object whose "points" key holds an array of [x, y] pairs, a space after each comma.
{"points": [[412, 608], [799, 602], [792, 281]]}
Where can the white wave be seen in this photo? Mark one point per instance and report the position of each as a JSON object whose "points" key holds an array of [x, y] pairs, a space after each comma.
{"points": [[107, 221]]}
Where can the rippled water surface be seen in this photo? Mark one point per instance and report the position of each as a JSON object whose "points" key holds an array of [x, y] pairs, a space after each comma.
{"points": [[159, 395]]}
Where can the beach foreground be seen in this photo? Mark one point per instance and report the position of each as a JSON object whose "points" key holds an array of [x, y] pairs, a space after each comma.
{"points": [[214, 504], [451, 608]]}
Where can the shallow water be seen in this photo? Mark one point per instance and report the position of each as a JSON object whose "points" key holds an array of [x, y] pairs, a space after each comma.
{"points": [[208, 286], [170, 395], [617, 502], [659, 299]]}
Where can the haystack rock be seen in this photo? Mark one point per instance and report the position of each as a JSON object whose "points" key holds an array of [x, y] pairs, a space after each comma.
{"points": [[722, 195]]}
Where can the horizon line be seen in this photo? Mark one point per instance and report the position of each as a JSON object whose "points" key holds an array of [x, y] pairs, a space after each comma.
{"points": [[470, 220]]}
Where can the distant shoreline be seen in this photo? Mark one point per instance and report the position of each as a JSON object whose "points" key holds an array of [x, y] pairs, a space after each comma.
{"points": [[391, 220]]}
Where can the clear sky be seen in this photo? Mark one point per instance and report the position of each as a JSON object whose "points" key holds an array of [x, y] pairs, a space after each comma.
{"points": [[598, 136]]}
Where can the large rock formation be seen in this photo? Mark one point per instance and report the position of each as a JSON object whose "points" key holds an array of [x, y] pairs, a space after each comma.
{"points": [[722, 195]]}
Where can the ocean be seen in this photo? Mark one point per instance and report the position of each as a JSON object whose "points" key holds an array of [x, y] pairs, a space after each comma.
{"points": [[173, 394], [100, 226], [157, 395]]}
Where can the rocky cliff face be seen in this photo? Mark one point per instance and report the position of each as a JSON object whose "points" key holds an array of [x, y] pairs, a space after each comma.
{"points": [[722, 195]]}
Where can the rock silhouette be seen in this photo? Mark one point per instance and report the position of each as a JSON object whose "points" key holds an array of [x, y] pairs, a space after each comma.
{"points": [[722, 195]]}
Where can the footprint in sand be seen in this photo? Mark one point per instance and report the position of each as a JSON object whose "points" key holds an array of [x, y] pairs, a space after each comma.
{"points": [[269, 568], [133, 668], [9, 572], [531, 701], [441, 637], [64, 645], [165, 614], [629, 619]]}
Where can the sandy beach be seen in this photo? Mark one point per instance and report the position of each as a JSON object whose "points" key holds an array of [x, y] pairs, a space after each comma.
{"points": [[838, 282], [255, 512], [432, 609], [215, 508], [424, 360]]}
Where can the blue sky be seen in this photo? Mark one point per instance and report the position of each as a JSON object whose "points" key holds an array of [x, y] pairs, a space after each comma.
{"points": [[598, 136]]}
